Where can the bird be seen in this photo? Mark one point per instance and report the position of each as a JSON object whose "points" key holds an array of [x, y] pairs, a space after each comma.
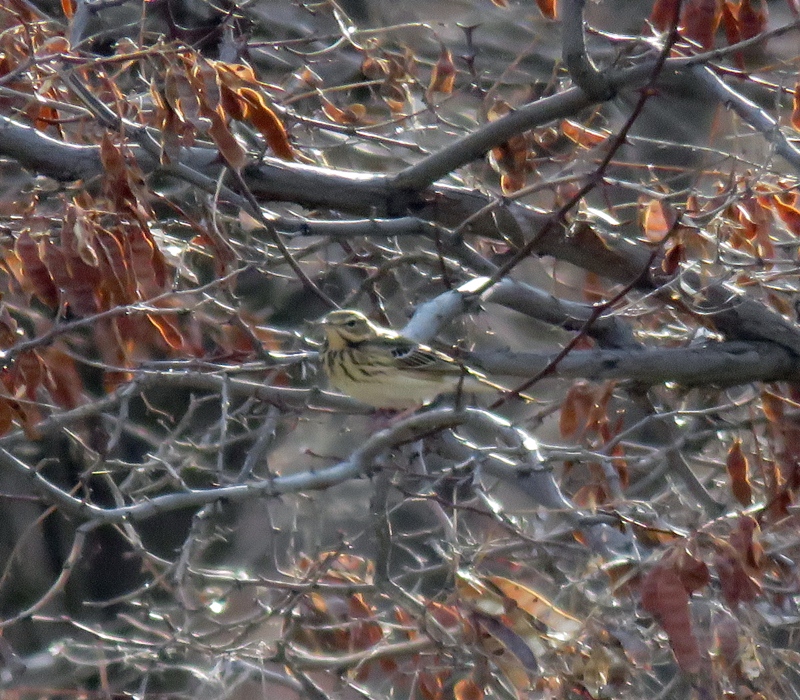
{"points": [[380, 367]]}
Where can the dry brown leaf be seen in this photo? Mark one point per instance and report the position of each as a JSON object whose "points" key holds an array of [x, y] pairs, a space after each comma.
{"points": [[549, 8], [738, 472], [664, 596], [443, 76]]}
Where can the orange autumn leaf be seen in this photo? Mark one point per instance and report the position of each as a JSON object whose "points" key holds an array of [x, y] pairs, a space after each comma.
{"points": [[61, 377], [68, 8], [751, 21], [226, 142], [259, 114], [558, 622], [467, 689], [28, 416], [657, 220], [796, 107], [549, 8], [789, 212], [510, 158], [169, 333], [673, 257], [30, 373], [431, 683], [621, 464], [333, 112], [372, 68], [443, 76], [663, 13], [512, 182], [745, 539], [146, 262], [241, 98], [738, 469], [575, 410], [773, 406], [394, 95], [732, 34], [35, 272], [780, 303], [114, 261], [351, 115], [53, 46], [498, 109], [367, 632], [83, 233], [700, 19], [583, 135], [240, 71], [593, 290]]}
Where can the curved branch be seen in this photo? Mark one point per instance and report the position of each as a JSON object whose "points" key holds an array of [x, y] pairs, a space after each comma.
{"points": [[358, 465], [432, 316], [576, 58], [521, 449]]}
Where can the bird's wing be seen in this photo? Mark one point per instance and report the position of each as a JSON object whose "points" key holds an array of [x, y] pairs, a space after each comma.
{"points": [[409, 355]]}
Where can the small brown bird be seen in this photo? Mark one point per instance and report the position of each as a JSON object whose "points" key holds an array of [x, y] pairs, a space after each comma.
{"points": [[380, 367]]}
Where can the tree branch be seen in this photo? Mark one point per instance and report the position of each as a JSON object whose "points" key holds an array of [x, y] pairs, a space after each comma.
{"points": [[750, 112], [576, 58], [721, 364]]}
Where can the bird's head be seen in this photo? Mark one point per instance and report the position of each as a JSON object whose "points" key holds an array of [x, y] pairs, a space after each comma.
{"points": [[346, 327]]}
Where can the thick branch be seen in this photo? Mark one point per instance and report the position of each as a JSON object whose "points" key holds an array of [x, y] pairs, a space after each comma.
{"points": [[573, 50], [724, 364], [432, 316], [47, 156], [609, 330]]}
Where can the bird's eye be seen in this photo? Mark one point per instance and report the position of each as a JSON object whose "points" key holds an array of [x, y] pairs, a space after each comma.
{"points": [[351, 323]]}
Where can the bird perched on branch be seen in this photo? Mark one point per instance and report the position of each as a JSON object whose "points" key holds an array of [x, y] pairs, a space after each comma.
{"points": [[380, 367]]}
